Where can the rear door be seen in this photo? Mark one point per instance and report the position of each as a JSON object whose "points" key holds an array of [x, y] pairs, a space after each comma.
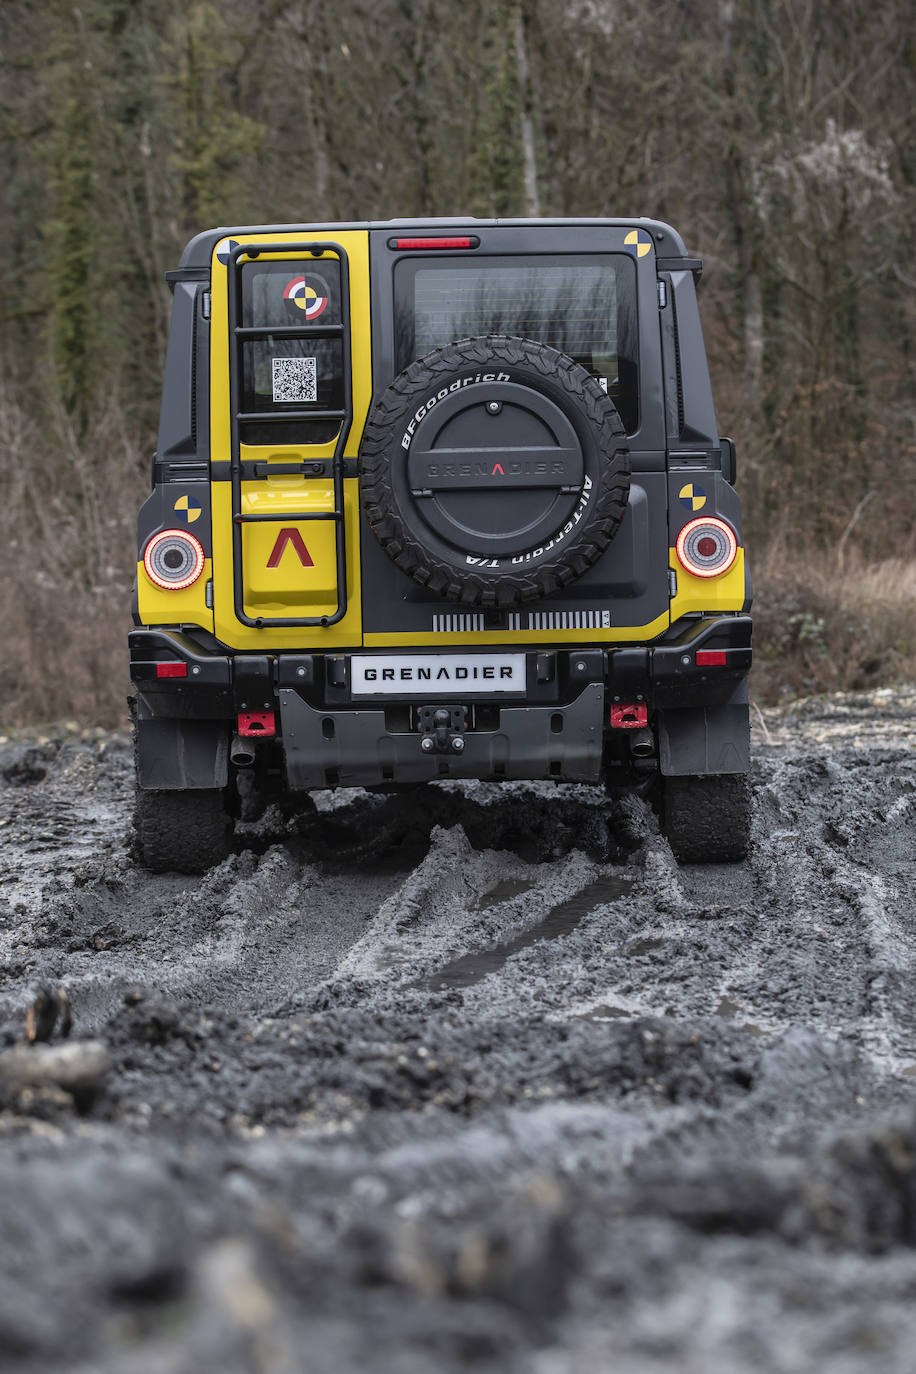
{"points": [[589, 290], [290, 369]]}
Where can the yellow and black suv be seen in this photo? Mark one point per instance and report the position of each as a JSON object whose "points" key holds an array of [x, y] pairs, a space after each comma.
{"points": [[435, 500]]}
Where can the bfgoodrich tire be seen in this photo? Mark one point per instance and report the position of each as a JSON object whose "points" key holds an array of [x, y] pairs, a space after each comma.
{"points": [[707, 819], [182, 832], [494, 471]]}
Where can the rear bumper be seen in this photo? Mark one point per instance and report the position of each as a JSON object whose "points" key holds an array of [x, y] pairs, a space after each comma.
{"points": [[351, 748], [556, 727]]}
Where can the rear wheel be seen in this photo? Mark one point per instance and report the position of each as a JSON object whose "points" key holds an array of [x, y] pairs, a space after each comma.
{"points": [[707, 819], [182, 832]]}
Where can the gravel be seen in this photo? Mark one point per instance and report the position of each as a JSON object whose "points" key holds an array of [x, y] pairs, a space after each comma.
{"points": [[468, 1077]]}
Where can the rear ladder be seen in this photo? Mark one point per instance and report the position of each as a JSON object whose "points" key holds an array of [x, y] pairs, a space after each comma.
{"points": [[237, 334]]}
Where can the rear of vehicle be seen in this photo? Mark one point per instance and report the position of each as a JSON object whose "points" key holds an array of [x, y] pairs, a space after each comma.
{"points": [[439, 500]]}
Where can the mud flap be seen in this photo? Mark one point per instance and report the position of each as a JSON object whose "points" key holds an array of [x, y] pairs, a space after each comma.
{"points": [[181, 755], [700, 740]]}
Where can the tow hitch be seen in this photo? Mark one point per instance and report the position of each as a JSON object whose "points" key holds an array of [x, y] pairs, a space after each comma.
{"points": [[442, 729]]}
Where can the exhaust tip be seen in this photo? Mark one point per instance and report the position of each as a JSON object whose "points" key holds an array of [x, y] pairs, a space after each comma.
{"points": [[241, 752], [642, 744]]}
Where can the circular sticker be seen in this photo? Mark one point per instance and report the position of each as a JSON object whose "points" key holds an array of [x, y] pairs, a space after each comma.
{"points": [[308, 295], [638, 242], [692, 496], [190, 508], [223, 251]]}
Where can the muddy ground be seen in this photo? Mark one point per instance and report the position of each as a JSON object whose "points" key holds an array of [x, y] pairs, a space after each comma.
{"points": [[464, 1079]]}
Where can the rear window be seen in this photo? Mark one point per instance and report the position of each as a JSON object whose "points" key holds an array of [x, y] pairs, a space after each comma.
{"points": [[280, 372], [584, 305]]}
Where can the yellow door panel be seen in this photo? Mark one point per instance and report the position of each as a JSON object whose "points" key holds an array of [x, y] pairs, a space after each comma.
{"points": [[290, 564], [304, 590], [288, 567]]}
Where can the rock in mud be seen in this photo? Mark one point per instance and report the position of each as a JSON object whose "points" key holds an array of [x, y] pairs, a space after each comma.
{"points": [[79, 1069]]}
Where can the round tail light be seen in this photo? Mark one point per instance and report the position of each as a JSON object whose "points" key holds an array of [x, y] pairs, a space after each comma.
{"points": [[707, 547], [173, 559]]}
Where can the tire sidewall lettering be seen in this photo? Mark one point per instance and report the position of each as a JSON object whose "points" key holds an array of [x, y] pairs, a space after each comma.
{"points": [[457, 385], [435, 557]]}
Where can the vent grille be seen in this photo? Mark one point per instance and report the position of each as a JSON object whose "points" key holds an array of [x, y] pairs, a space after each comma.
{"points": [[470, 623], [457, 624], [569, 620]]}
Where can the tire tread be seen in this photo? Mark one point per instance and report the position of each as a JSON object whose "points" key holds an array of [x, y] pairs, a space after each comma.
{"points": [[182, 832], [707, 819]]}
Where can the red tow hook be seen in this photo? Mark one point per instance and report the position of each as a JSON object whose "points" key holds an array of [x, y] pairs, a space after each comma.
{"points": [[257, 724], [632, 716]]}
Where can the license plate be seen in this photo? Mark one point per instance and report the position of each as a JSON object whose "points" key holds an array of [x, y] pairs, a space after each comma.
{"points": [[436, 675]]}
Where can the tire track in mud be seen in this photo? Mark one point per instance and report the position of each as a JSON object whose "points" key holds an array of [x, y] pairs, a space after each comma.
{"points": [[462, 1078]]}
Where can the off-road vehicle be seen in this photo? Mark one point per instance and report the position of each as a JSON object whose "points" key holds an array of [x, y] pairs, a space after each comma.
{"points": [[435, 500]]}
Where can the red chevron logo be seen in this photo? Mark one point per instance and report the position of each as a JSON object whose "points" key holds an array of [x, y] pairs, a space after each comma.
{"points": [[291, 536]]}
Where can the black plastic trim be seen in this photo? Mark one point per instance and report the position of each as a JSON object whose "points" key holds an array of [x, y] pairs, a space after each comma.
{"points": [[694, 265]]}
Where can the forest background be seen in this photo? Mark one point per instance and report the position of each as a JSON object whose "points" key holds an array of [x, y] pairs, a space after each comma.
{"points": [[776, 135]]}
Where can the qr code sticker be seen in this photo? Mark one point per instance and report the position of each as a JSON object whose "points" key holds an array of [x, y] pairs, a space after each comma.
{"points": [[295, 379]]}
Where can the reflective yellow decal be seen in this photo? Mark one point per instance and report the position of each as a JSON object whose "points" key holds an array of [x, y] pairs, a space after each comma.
{"points": [[187, 505], [692, 496], [639, 242]]}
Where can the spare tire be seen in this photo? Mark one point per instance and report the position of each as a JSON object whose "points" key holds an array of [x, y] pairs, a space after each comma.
{"points": [[494, 471]]}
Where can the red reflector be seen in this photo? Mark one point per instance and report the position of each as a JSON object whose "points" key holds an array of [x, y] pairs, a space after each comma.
{"points": [[405, 245], [633, 716], [254, 723], [710, 658], [171, 670]]}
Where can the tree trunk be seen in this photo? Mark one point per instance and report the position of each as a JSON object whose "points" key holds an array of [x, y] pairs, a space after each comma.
{"points": [[526, 115]]}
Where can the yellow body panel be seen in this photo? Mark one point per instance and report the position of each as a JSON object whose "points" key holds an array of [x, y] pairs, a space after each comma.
{"points": [[289, 589], [159, 607], [711, 595]]}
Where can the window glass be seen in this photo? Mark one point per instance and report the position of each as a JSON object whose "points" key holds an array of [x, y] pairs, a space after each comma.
{"points": [[284, 372], [304, 291], [583, 305]]}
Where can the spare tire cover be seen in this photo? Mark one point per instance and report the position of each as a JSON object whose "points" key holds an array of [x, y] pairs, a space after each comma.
{"points": [[494, 471]]}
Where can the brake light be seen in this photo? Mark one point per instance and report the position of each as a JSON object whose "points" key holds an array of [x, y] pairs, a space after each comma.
{"points": [[707, 547], [710, 658], [173, 560], [406, 245], [171, 670]]}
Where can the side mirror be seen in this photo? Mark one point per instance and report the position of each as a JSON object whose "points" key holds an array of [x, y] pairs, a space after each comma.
{"points": [[729, 460]]}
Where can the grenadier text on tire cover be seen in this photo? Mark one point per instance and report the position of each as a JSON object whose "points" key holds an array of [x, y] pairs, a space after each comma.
{"points": [[437, 500]]}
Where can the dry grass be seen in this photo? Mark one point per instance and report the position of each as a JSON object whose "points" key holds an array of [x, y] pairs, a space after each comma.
{"points": [[67, 555], [827, 624]]}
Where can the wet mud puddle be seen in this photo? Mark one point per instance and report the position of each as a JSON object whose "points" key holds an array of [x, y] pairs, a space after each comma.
{"points": [[470, 969]]}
